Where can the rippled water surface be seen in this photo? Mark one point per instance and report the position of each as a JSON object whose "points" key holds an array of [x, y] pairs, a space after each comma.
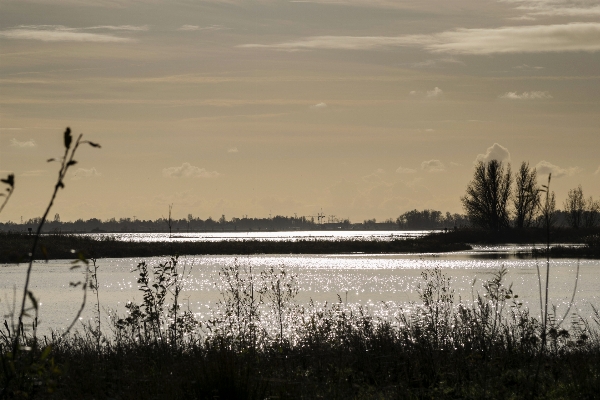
{"points": [[255, 235], [378, 281]]}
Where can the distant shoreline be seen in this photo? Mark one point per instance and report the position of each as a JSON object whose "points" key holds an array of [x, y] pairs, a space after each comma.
{"points": [[15, 246]]}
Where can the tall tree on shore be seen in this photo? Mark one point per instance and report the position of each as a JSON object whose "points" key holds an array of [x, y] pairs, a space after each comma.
{"points": [[488, 194], [526, 200], [574, 206], [591, 214]]}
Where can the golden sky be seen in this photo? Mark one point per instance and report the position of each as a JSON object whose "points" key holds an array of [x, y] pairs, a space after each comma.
{"points": [[361, 108]]}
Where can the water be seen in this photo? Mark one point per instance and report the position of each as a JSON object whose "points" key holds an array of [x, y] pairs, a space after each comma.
{"points": [[255, 235], [377, 281]]}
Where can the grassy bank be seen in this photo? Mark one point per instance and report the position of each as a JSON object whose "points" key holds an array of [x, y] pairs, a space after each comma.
{"points": [[15, 247], [260, 344], [586, 241], [522, 236]]}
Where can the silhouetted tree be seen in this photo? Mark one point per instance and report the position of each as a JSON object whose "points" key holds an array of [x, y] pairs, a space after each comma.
{"points": [[591, 214], [574, 206], [527, 196], [486, 200]]}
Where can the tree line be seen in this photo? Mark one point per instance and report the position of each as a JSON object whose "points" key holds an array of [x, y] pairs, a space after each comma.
{"points": [[410, 220], [496, 199]]}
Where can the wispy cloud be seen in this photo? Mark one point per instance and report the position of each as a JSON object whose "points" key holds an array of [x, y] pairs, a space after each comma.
{"points": [[346, 42], [535, 95], [201, 28], [558, 8], [579, 36], [597, 171], [29, 143], [433, 166], [59, 33], [120, 27], [494, 152], [82, 173], [545, 167], [525, 67], [233, 150], [318, 106], [436, 92], [436, 62], [189, 28], [402, 170], [433, 93], [186, 170]]}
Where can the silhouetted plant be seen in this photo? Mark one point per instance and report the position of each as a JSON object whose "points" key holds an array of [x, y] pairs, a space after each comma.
{"points": [[18, 367], [280, 293], [154, 321], [10, 181], [237, 317]]}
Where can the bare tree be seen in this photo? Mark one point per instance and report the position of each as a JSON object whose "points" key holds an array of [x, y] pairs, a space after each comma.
{"points": [[486, 200], [591, 214], [574, 206], [527, 196]]}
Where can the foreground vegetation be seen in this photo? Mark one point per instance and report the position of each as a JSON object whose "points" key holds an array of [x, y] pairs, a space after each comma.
{"points": [[258, 343]]}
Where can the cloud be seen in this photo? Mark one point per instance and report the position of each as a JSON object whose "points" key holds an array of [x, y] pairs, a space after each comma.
{"points": [[577, 36], [318, 106], [545, 168], [188, 171], [15, 143], [232, 150], [120, 27], [495, 152], [190, 28], [436, 62], [81, 173], [535, 95], [375, 177], [597, 171], [433, 166], [525, 67], [345, 42], [559, 8], [402, 170], [436, 92], [59, 33]]}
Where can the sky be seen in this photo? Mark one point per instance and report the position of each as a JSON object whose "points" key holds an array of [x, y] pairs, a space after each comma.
{"points": [[355, 108]]}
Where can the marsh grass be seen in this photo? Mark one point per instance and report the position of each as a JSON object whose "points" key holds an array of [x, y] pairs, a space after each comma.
{"points": [[16, 246]]}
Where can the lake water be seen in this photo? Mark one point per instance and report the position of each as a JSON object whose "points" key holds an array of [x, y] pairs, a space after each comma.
{"points": [[261, 235], [381, 282]]}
